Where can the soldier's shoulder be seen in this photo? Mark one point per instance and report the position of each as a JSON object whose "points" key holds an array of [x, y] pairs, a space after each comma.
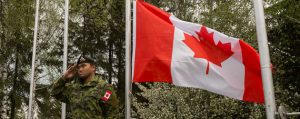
{"points": [[73, 82], [104, 84], [100, 80]]}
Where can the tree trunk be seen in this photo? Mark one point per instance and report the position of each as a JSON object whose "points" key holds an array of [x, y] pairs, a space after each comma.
{"points": [[13, 91], [2, 25], [121, 72], [110, 62]]}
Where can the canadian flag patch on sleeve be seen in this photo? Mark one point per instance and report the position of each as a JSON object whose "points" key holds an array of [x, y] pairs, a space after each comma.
{"points": [[106, 95]]}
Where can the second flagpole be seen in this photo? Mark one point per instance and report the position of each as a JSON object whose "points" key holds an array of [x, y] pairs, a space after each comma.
{"points": [[65, 56], [264, 59], [32, 82], [128, 59]]}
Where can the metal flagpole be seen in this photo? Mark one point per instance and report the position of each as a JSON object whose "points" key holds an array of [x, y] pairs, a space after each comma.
{"points": [[128, 59], [264, 59], [65, 58], [32, 83]]}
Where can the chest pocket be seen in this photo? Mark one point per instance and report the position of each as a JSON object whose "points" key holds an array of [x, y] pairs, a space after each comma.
{"points": [[84, 98], [90, 98]]}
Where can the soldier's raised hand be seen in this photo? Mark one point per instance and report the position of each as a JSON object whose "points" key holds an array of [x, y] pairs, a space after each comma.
{"points": [[70, 73]]}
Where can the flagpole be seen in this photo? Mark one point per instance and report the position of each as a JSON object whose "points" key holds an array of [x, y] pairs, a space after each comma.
{"points": [[128, 60], [65, 58], [264, 59], [32, 83]]}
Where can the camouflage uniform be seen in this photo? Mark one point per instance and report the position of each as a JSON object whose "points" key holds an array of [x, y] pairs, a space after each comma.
{"points": [[94, 100]]}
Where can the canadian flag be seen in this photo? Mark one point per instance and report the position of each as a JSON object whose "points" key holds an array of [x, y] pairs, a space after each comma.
{"points": [[167, 49], [106, 95]]}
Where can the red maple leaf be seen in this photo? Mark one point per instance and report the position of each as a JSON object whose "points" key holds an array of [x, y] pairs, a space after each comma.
{"points": [[206, 48]]}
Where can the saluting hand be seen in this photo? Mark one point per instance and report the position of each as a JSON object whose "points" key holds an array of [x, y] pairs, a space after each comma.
{"points": [[70, 73]]}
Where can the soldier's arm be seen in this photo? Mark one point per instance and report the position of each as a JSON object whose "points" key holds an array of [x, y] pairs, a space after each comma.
{"points": [[111, 108], [58, 90]]}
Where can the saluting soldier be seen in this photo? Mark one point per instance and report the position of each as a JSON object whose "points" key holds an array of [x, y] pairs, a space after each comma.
{"points": [[87, 95]]}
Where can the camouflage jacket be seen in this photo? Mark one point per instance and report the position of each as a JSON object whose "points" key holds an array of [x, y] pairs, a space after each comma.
{"points": [[94, 99]]}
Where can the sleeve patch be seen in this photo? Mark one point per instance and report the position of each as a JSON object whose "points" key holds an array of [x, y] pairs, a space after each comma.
{"points": [[106, 95]]}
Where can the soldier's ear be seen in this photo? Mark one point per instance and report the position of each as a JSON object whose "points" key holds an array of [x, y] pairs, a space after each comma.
{"points": [[93, 66]]}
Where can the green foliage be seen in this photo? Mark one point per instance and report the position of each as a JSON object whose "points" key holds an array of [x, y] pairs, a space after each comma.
{"points": [[284, 34], [167, 101], [16, 34]]}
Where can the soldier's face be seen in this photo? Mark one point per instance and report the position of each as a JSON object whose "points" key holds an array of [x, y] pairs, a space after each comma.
{"points": [[85, 70]]}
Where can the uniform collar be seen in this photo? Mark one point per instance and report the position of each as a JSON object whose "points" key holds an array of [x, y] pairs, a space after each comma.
{"points": [[92, 82]]}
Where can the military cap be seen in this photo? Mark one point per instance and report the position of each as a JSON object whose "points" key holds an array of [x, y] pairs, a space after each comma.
{"points": [[84, 59]]}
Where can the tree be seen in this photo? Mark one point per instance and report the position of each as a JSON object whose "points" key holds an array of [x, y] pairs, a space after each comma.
{"points": [[283, 33], [16, 24]]}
